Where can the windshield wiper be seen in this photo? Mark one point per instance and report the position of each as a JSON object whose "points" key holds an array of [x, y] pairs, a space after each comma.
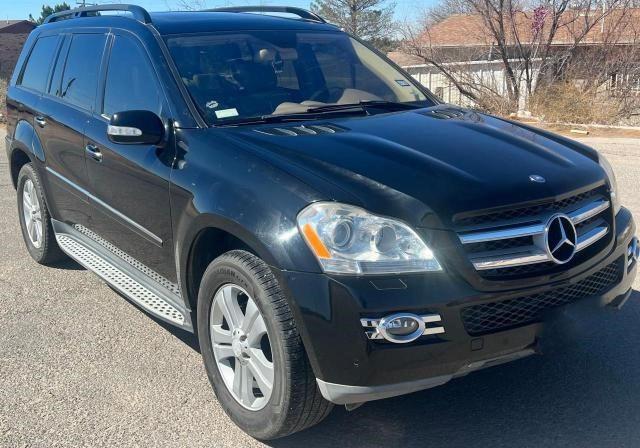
{"points": [[363, 105], [298, 116], [317, 112]]}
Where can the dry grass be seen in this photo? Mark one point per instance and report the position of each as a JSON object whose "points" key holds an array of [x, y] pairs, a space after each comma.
{"points": [[3, 97], [568, 103], [565, 129]]}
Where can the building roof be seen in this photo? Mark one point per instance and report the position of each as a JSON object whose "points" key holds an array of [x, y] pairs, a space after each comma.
{"points": [[16, 26], [462, 30]]}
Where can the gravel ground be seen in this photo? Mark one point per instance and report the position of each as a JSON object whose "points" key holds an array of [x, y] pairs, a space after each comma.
{"points": [[81, 366]]}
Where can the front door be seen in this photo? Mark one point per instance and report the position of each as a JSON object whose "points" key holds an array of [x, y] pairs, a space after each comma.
{"points": [[129, 184]]}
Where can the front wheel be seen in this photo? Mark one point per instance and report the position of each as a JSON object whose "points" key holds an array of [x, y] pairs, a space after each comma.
{"points": [[252, 350]]}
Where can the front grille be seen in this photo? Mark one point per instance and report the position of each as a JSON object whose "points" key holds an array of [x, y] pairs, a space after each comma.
{"points": [[512, 244], [525, 212], [498, 316]]}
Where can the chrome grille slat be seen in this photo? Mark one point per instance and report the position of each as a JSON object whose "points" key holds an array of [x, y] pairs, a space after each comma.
{"points": [[510, 260], [494, 235], [589, 211], [533, 255], [523, 243], [577, 216], [587, 239]]}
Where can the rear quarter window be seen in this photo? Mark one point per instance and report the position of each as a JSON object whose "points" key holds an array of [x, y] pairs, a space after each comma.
{"points": [[38, 66]]}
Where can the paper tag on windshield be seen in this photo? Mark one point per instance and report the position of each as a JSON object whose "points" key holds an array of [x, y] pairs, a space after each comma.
{"points": [[226, 113], [403, 83]]}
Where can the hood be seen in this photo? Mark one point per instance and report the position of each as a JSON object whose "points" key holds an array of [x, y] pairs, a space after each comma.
{"points": [[427, 166]]}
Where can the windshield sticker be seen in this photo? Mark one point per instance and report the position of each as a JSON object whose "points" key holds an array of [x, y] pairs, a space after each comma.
{"points": [[213, 104], [226, 113], [403, 83]]}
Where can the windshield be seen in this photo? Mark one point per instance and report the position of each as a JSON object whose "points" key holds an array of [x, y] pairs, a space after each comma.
{"points": [[231, 76]]}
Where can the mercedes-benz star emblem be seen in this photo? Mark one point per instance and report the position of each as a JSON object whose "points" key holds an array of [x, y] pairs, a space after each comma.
{"points": [[560, 238], [537, 178]]}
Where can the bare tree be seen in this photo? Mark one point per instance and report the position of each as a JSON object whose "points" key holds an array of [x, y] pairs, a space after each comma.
{"points": [[521, 34], [370, 20], [191, 5]]}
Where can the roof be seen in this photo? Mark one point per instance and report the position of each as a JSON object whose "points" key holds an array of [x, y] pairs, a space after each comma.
{"points": [[183, 22], [463, 30], [16, 26], [201, 21]]}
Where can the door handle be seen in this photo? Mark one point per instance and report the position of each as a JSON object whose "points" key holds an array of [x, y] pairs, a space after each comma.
{"points": [[40, 121], [93, 152]]}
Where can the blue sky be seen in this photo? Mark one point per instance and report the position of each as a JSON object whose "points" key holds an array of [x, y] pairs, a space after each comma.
{"points": [[18, 9]]}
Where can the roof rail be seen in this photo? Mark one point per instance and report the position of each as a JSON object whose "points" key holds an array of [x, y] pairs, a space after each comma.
{"points": [[138, 12], [300, 12]]}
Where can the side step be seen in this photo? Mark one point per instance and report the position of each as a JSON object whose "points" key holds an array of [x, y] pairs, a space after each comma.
{"points": [[134, 284]]}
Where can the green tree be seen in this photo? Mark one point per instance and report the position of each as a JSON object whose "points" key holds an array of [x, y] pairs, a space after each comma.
{"points": [[370, 20], [48, 10]]}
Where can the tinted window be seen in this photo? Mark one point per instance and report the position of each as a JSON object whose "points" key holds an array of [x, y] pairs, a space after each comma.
{"points": [[56, 78], [236, 75], [37, 70], [131, 82], [80, 78]]}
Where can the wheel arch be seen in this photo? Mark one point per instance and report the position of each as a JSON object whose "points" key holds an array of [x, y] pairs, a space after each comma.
{"points": [[25, 148], [209, 238], [19, 158]]}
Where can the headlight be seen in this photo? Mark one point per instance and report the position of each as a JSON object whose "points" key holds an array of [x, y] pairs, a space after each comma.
{"points": [[349, 240], [613, 183]]}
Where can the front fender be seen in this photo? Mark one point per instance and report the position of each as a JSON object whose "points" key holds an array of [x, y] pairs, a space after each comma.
{"points": [[218, 185]]}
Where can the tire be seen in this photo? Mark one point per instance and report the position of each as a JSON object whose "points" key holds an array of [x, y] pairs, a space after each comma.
{"points": [[295, 402], [44, 248]]}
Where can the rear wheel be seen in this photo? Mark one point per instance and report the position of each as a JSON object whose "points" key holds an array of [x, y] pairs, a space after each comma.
{"points": [[35, 220], [252, 350]]}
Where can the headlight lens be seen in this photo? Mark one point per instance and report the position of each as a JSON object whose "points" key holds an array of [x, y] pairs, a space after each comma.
{"points": [[613, 183], [349, 240]]}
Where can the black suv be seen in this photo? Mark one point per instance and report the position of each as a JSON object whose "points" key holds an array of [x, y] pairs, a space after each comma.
{"points": [[331, 232]]}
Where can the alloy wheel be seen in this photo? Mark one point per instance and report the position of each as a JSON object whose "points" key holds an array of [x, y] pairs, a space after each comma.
{"points": [[32, 213], [241, 347]]}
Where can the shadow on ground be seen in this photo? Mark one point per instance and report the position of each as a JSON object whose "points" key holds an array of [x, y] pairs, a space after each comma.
{"points": [[584, 391], [68, 265]]}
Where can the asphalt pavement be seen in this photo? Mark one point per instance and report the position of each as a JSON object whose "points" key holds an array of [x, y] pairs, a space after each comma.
{"points": [[81, 366]]}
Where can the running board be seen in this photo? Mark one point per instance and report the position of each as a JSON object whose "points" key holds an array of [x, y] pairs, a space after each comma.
{"points": [[151, 295]]}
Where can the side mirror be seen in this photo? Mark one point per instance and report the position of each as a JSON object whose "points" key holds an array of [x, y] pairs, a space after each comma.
{"points": [[135, 127]]}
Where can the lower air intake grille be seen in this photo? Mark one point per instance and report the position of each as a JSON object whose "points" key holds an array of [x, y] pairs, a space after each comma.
{"points": [[498, 316]]}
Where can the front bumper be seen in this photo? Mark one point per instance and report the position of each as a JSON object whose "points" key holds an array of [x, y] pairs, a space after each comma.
{"points": [[350, 368]]}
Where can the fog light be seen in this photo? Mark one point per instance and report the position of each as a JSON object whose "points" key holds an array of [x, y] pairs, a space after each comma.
{"points": [[402, 327]]}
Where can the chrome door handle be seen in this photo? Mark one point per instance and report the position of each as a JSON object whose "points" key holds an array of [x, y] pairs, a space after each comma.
{"points": [[94, 152], [40, 121]]}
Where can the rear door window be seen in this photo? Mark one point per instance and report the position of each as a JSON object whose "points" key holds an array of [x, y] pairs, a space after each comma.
{"points": [[56, 77], [81, 72], [36, 72], [131, 81]]}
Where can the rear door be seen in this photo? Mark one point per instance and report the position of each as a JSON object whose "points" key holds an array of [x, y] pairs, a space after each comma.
{"points": [[31, 84], [63, 113], [129, 184]]}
